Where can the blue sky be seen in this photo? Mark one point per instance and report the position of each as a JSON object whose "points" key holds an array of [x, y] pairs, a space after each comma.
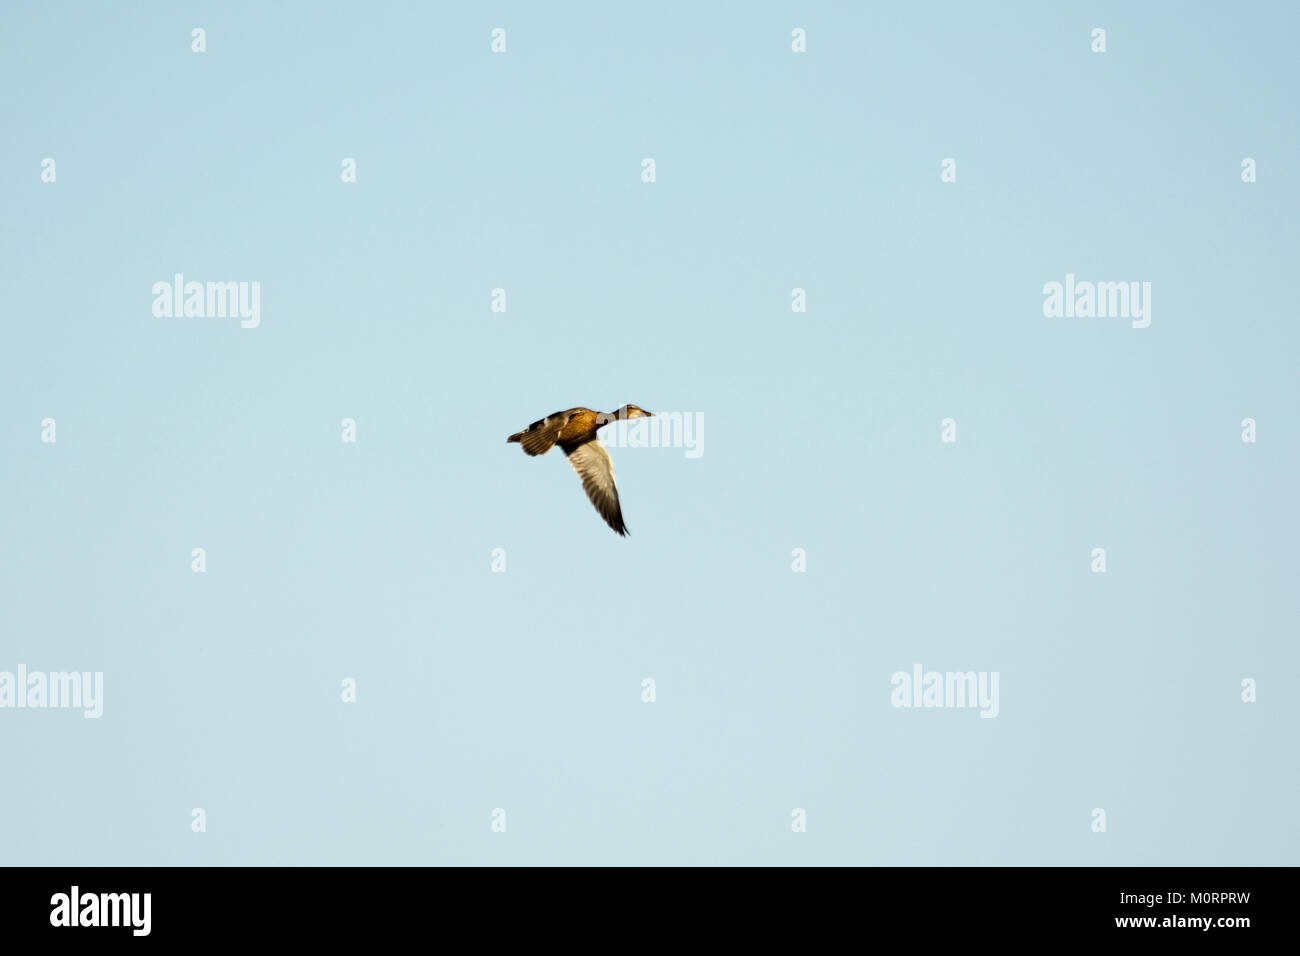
{"points": [[522, 690]]}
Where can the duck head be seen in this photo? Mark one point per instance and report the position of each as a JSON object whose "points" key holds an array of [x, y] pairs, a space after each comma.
{"points": [[633, 411], [625, 412]]}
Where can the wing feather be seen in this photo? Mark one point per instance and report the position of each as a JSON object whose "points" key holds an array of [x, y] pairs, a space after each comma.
{"points": [[592, 463], [541, 436]]}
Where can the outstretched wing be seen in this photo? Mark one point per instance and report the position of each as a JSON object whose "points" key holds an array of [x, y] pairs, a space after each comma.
{"points": [[592, 463], [539, 437]]}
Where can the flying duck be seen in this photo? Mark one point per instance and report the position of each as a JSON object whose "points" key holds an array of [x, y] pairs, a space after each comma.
{"points": [[574, 430]]}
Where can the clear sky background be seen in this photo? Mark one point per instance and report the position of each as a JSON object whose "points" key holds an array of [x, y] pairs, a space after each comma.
{"points": [[522, 690]]}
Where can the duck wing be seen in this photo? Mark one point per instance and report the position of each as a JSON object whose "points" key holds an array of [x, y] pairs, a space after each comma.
{"points": [[592, 463], [539, 437]]}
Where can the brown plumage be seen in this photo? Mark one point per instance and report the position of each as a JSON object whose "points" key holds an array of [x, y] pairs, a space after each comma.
{"points": [[574, 430]]}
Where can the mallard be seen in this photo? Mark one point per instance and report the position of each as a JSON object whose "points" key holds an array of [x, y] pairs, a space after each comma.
{"points": [[574, 430]]}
